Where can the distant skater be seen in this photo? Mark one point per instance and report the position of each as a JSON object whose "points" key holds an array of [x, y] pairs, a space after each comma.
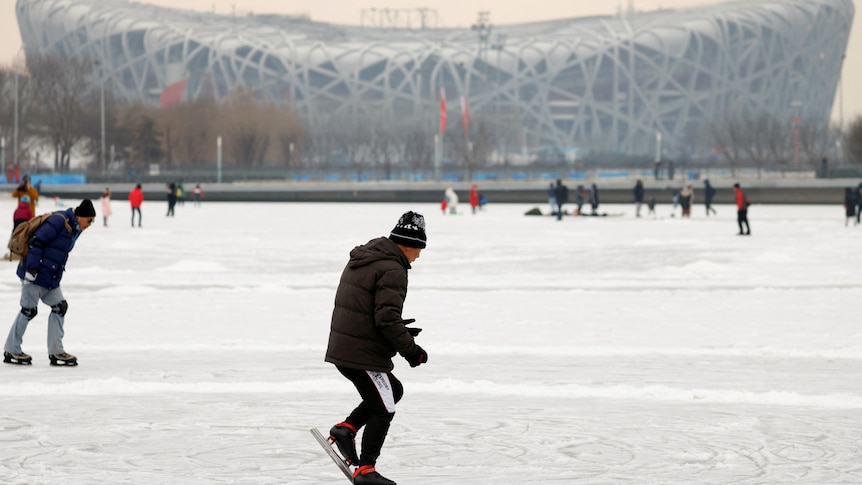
{"points": [[858, 203], [451, 199], [106, 206], [172, 199], [708, 195], [474, 198], [686, 198], [849, 206], [561, 195], [197, 193], [639, 197], [552, 198], [742, 204], [136, 198]]}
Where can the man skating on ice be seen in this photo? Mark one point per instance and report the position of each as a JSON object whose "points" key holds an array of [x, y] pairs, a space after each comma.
{"points": [[367, 330], [40, 273]]}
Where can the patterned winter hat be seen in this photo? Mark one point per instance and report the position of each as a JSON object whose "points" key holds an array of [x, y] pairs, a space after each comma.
{"points": [[410, 231]]}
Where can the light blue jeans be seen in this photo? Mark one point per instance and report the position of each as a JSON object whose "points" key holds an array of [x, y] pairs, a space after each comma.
{"points": [[30, 296]]}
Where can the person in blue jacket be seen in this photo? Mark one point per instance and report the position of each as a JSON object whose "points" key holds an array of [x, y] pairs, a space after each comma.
{"points": [[708, 195], [40, 273]]}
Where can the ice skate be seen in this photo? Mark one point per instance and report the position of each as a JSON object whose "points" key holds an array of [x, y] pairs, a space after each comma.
{"points": [[367, 475], [17, 359], [64, 359], [343, 435]]}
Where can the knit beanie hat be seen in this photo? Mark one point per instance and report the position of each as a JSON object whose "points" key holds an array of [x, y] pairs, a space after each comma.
{"points": [[410, 231], [86, 209]]}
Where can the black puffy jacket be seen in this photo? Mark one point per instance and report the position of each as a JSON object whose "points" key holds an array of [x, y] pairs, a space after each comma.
{"points": [[367, 329]]}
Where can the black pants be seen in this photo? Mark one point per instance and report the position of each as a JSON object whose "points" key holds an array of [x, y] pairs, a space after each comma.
{"points": [[380, 391], [742, 217], [709, 208]]}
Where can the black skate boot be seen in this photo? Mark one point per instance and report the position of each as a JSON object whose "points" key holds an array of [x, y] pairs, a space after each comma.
{"points": [[18, 359], [344, 437], [64, 359], [367, 475]]}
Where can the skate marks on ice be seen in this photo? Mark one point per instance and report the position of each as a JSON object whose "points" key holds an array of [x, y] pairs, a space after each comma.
{"points": [[143, 439], [599, 442]]}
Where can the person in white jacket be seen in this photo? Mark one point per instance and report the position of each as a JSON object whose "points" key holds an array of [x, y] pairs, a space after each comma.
{"points": [[451, 200]]}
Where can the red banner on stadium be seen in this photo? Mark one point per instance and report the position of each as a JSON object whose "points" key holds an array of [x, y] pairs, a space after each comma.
{"points": [[465, 115], [442, 110], [173, 93]]}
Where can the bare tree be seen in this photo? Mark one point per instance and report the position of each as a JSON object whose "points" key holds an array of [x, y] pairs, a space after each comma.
{"points": [[248, 127], [189, 131], [417, 147], [142, 140], [854, 141], [290, 133], [815, 142], [62, 87]]}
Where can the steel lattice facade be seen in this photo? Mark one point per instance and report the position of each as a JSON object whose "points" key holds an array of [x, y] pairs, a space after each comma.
{"points": [[604, 83]]}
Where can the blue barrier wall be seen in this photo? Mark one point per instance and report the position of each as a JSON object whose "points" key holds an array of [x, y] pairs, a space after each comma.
{"points": [[52, 179]]}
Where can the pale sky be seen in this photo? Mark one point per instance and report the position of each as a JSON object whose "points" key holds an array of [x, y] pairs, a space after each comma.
{"points": [[454, 13]]}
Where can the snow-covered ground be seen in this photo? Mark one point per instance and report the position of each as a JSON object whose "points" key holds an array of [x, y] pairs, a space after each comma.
{"points": [[589, 351]]}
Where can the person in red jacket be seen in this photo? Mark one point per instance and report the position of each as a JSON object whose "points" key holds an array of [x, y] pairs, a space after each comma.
{"points": [[742, 204], [136, 198], [474, 198], [23, 213]]}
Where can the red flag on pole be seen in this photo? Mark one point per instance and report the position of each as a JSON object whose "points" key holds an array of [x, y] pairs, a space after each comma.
{"points": [[465, 115], [442, 110], [173, 93]]}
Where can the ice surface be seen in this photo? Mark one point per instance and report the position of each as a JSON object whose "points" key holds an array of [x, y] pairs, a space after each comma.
{"points": [[589, 351]]}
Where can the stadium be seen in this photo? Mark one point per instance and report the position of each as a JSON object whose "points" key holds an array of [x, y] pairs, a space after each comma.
{"points": [[636, 83]]}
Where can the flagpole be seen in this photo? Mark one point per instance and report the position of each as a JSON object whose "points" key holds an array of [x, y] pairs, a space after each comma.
{"points": [[438, 138]]}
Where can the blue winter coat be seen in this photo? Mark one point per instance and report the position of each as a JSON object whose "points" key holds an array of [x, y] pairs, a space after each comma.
{"points": [[50, 247]]}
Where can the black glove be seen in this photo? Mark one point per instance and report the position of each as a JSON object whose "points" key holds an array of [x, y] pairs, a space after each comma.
{"points": [[30, 275], [417, 357]]}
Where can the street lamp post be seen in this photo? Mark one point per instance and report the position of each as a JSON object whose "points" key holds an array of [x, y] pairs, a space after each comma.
{"points": [[15, 131], [101, 113], [102, 103]]}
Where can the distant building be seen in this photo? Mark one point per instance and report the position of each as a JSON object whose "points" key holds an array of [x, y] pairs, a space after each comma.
{"points": [[598, 83]]}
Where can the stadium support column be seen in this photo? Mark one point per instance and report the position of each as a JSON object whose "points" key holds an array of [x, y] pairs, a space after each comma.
{"points": [[795, 121], [438, 154], [218, 160]]}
